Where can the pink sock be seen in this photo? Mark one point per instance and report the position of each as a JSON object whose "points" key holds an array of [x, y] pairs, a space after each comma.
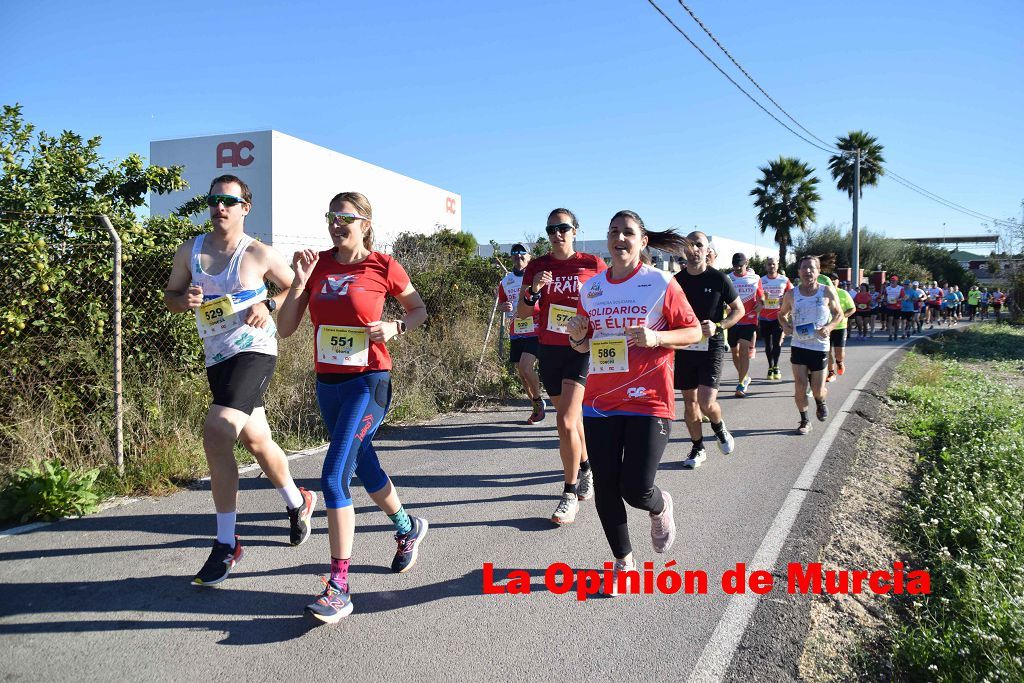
{"points": [[339, 573]]}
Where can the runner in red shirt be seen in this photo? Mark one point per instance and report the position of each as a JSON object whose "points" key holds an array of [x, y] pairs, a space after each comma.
{"points": [[554, 280], [743, 335], [630, 319], [344, 289]]}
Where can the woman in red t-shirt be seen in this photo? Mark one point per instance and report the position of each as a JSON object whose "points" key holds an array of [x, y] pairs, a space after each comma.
{"points": [[862, 300], [631, 317], [344, 289], [554, 280]]}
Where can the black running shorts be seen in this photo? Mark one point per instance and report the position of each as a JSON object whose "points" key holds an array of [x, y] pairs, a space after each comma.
{"points": [[698, 368], [814, 360], [558, 363], [737, 332], [838, 337], [769, 327], [240, 381], [517, 347]]}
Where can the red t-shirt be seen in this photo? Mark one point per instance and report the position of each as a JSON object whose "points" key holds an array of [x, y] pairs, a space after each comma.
{"points": [[773, 289], [862, 301], [642, 383], [563, 292], [352, 295], [748, 287]]}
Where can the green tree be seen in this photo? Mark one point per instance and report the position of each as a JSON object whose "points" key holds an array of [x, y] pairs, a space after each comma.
{"points": [[871, 161], [784, 196]]}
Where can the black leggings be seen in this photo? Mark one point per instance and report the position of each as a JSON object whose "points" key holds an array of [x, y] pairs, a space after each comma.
{"points": [[625, 451], [771, 332]]}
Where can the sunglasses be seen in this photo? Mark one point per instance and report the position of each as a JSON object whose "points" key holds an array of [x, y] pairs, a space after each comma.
{"points": [[560, 228], [518, 253], [346, 218], [228, 200]]}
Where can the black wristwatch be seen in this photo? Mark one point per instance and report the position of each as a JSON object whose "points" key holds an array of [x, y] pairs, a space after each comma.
{"points": [[401, 326], [270, 304]]}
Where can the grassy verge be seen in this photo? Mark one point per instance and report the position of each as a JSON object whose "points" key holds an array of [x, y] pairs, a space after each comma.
{"points": [[959, 402]]}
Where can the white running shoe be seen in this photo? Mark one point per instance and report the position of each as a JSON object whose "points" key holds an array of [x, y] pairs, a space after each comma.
{"points": [[566, 511], [663, 526], [621, 566], [696, 457], [585, 485], [725, 441]]}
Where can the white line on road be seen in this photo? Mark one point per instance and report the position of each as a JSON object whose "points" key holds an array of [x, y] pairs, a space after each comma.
{"points": [[720, 649]]}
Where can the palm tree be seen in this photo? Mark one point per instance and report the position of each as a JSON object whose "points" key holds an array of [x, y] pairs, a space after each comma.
{"points": [[871, 160], [784, 196]]}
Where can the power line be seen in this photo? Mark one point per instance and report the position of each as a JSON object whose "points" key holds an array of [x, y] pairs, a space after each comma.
{"points": [[751, 78], [831, 149], [731, 80]]}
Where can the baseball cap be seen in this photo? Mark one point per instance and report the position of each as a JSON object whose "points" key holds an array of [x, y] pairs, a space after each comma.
{"points": [[895, 277], [738, 259]]}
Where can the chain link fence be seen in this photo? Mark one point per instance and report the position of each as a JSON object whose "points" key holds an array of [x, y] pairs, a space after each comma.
{"points": [[58, 343]]}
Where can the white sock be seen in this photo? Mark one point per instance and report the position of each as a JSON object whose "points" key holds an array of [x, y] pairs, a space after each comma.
{"points": [[290, 494], [226, 528]]}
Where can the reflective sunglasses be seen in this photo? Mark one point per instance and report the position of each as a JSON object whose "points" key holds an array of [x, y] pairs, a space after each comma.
{"points": [[346, 218], [561, 228], [228, 200], [517, 252]]}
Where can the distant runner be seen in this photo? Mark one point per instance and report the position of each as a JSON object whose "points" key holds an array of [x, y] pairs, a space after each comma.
{"points": [[774, 284], [522, 332]]}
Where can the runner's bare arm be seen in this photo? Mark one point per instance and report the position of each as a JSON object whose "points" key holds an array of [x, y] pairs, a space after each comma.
{"points": [[296, 299], [786, 312], [668, 339], [736, 311], [179, 294], [415, 315], [834, 308], [277, 271]]}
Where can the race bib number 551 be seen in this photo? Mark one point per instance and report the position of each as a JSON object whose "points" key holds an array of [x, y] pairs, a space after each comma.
{"points": [[339, 345]]}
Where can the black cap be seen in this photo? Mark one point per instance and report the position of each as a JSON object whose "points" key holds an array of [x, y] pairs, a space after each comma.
{"points": [[738, 259]]}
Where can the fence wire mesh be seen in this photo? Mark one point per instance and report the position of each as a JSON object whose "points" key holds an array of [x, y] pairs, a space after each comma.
{"points": [[57, 344]]}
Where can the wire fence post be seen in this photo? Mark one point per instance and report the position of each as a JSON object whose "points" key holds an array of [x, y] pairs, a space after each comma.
{"points": [[118, 390]]}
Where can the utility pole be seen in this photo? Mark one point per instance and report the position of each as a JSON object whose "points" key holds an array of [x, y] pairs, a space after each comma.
{"points": [[855, 247]]}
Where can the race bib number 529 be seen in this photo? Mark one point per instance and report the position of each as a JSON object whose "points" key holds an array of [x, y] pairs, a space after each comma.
{"points": [[216, 317]]}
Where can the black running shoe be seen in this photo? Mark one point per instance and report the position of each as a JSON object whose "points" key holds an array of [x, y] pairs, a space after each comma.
{"points": [[222, 560], [408, 545], [300, 517], [822, 411]]}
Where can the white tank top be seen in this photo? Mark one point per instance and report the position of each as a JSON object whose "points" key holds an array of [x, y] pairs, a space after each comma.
{"points": [[810, 313], [232, 336]]}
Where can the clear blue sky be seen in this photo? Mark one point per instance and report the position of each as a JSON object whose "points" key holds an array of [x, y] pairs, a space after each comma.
{"points": [[521, 107]]}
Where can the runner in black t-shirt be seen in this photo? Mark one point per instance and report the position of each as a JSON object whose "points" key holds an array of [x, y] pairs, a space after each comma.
{"points": [[699, 367]]}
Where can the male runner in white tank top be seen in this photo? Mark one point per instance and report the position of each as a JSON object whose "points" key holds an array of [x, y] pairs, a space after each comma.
{"points": [[239, 339]]}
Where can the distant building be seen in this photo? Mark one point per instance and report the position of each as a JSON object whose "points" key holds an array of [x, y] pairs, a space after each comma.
{"points": [[292, 182]]}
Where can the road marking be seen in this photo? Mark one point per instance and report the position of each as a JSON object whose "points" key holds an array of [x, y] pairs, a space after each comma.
{"points": [[717, 655]]}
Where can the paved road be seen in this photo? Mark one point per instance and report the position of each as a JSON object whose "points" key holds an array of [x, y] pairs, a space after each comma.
{"points": [[109, 595]]}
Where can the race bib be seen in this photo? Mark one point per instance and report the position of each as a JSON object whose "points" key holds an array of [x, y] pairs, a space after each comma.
{"points": [[702, 345], [216, 316], [771, 302], [558, 318], [805, 331], [523, 326], [609, 354], [862, 307], [339, 345], [892, 298]]}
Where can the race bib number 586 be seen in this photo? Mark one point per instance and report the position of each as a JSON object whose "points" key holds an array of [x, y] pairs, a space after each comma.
{"points": [[609, 354]]}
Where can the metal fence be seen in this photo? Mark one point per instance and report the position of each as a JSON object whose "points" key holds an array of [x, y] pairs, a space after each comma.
{"points": [[101, 372]]}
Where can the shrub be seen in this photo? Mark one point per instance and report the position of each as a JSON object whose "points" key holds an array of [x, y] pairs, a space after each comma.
{"points": [[47, 491]]}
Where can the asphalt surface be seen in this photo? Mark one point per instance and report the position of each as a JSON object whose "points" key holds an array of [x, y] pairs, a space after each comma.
{"points": [[110, 595]]}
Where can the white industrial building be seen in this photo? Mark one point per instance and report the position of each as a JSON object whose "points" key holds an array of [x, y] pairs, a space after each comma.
{"points": [[292, 182]]}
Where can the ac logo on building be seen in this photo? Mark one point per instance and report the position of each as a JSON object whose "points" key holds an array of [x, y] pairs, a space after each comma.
{"points": [[449, 205], [235, 153]]}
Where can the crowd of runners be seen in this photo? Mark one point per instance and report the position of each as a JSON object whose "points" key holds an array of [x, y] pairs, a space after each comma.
{"points": [[610, 345]]}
